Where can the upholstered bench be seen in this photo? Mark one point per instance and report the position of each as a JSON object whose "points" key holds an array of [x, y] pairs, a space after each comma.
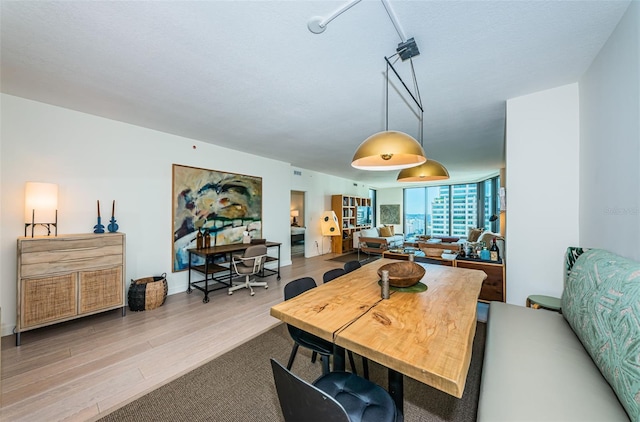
{"points": [[583, 365]]}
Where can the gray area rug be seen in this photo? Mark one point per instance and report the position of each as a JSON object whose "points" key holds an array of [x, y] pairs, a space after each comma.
{"points": [[238, 386]]}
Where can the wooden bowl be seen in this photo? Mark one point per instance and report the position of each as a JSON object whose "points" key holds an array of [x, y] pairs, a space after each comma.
{"points": [[403, 274]]}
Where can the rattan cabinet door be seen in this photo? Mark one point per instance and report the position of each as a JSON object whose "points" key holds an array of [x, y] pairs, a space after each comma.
{"points": [[100, 289], [47, 299]]}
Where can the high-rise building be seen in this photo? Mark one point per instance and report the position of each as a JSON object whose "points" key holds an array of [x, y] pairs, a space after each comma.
{"points": [[453, 217]]}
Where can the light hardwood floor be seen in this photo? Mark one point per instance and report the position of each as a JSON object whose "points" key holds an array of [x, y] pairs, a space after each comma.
{"points": [[82, 370]]}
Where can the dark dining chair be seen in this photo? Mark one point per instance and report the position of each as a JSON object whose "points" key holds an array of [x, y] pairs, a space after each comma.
{"points": [[302, 338], [314, 343], [332, 274], [327, 277], [351, 266], [336, 397]]}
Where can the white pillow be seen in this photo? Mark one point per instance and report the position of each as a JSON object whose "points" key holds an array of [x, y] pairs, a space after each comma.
{"points": [[373, 232]]}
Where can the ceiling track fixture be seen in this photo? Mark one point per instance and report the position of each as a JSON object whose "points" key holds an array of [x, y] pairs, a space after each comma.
{"points": [[318, 24], [392, 150]]}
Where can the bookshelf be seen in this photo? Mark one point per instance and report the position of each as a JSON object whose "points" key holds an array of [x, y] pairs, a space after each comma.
{"points": [[347, 208]]}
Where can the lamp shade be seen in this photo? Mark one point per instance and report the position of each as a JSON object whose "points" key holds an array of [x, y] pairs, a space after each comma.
{"points": [[40, 202], [388, 150], [431, 170], [295, 213], [329, 224]]}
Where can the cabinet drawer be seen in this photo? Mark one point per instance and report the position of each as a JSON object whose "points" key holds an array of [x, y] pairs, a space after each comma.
{"points": [[101, 289], [40, 263], [69, 243], [47, 299], [47, 256]]}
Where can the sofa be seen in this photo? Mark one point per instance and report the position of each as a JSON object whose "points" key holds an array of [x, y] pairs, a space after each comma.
{"points": [[581, 365], [377, 239]]}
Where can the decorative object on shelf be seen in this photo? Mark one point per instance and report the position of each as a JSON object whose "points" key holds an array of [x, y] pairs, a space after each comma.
{"points": [[429, 171], [393, 150], [295, 214], [148, 293], [246, 238], [199, 239], [207, 238], [98, 228], [226, 204], [403, 273], [113, 226], [41, 207]]}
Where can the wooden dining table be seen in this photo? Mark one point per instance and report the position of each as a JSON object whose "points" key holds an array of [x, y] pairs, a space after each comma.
{"points": [[425, 335]]}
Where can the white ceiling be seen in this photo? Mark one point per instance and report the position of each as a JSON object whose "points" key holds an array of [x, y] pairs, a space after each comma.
{"points": [[249, 75]]}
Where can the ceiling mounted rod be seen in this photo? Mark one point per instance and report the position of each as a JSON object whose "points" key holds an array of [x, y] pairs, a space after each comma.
{"points": [[405, 85], [318, 24], [394, 20]]}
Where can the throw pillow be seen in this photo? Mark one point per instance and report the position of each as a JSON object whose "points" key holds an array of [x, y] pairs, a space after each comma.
{"points": [[385, 231], [601, 302], [369, 232], [392, 228], [474, 234]]}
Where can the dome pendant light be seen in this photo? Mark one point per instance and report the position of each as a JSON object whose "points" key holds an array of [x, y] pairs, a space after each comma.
{"points": [[392, 150], [429, 171], [389, 150]]}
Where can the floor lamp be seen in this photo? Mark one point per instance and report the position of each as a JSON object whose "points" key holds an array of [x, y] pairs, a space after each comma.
{"points": [[329, 226]]}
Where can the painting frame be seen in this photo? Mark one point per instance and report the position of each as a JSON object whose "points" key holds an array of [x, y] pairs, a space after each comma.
{"points": [[226, 205], [390, 214]]}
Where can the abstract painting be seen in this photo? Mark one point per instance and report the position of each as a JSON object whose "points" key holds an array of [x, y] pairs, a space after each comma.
{"points": [[225, 204], [390, 214]]}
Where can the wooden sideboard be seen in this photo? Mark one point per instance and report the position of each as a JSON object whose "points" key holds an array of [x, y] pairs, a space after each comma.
{"points": [[66, 277], [493, 287]]}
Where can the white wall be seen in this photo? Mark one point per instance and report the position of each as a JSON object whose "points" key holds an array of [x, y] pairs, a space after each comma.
{"points": [[92, 158], [542, 189], [390, 196], [610, 143]]}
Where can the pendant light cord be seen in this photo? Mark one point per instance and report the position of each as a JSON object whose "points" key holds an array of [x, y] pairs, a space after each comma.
{"points": [[417, 100]]}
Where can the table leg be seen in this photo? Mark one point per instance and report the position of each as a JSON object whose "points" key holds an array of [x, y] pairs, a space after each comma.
{"points": [[278, 262], [338, 358], [206, 280], [189, 275], [396, 389]]}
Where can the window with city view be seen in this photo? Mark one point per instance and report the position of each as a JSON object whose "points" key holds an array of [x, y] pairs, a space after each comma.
{"points": [[450, 210]]}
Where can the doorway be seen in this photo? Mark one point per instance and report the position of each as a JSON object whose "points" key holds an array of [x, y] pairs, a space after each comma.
{"points": [[296, 211]]}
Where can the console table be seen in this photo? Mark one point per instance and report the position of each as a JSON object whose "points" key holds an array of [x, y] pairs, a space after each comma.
{"points": [[220, 274]]}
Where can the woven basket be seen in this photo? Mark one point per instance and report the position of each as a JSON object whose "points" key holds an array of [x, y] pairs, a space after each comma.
{"points": [[148, 293]]}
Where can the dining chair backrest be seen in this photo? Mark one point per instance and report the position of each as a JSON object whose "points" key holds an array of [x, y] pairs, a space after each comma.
{"points": [[351, 266], [301, 401], [332, 274], [293, 289], [299, 286]]}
